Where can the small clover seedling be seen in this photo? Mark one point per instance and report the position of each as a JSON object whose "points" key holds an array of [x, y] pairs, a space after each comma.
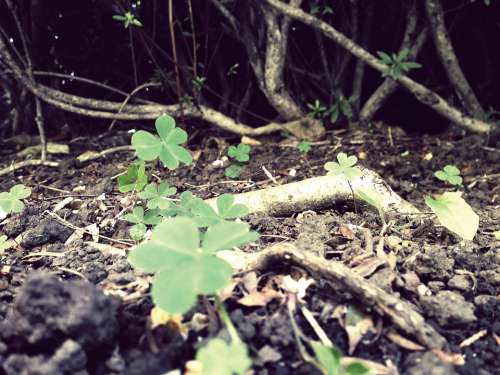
{"points": [[345, 166], [396, 63], [450, 174], [135, 179], [233, 171], [235, 358], [141, 219], [329, 357], [454, 213], [304, 147], [240, 152], [165, 146], [156, 195], [185, 268], [11, 202]]}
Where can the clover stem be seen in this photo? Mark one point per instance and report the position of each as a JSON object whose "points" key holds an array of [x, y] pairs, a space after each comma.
{"points": [[235, 338]]}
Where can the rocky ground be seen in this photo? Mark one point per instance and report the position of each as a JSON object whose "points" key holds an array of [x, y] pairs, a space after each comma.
{"points": [[71, 304]]}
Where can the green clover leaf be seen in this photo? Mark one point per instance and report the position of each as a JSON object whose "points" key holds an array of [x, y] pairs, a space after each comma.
{"points": [[236, 359], [137, 216], [135, 179], [156, 195], [304, 147], [12, 201], [183, 267], [233, 171], [450, 174], [240, 152], [345, 166], [166, 147]]}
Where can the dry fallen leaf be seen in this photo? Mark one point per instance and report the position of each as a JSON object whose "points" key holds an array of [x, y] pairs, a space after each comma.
{"points": [[472, 339], [403, 342]]}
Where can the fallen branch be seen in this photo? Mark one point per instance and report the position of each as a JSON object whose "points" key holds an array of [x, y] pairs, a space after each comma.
{"points": [[421, 93], [28, 163], [320, 192], [341, 278]]}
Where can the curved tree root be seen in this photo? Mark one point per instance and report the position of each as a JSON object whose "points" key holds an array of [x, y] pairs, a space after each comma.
{"points": [[342, 278]]}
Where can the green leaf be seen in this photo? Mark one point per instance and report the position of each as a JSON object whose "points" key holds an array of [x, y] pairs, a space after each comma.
{"points": [[328, 357], [219, 358], [226, 235], [403, 54], [304, 147], [454, 213], [496, 234], [370, 196], [156, 195], [136, 216], [175, 288], [240, 153], [12, 201], [344, 166], [137, 231], [408, 65], [385, 58], [134, 180], [357, 368], [228, 210], [233, 171], [165, 147], [450, 174]]}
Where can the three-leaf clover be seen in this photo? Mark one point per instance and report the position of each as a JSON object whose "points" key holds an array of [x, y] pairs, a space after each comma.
{"points": [[345, 166], [156, 195], [12, 201], [396, 63], [141, 219], [304, 147], [235, 355], [185, 268], [240, 152], [166, 147], [135, 179], [233, 171], [450, 174], [205, 215]]}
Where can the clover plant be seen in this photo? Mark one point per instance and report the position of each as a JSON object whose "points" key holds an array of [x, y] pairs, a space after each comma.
{"points": [[450, 174], [235, 358], [329, 357], [304, 147], [135, 179], [12, 201], [165, 146], [141, 219], [241, 154], [157, 195], [184, 267], [396, 64], [345, 165]]}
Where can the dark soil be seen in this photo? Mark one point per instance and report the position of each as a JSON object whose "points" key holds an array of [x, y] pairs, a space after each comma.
{"points": [[78, 308]]}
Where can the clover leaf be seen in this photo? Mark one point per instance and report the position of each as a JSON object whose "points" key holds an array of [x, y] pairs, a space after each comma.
{"points": [[233, 171], [455, 214], [165, 146], [12, 201], [235, 355], [239, 152], [141, 219], [135, 179], [329, 359], [344, 166], [228, 209], [185, 268], [205, 215], [450, 174], [156, 195]]}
